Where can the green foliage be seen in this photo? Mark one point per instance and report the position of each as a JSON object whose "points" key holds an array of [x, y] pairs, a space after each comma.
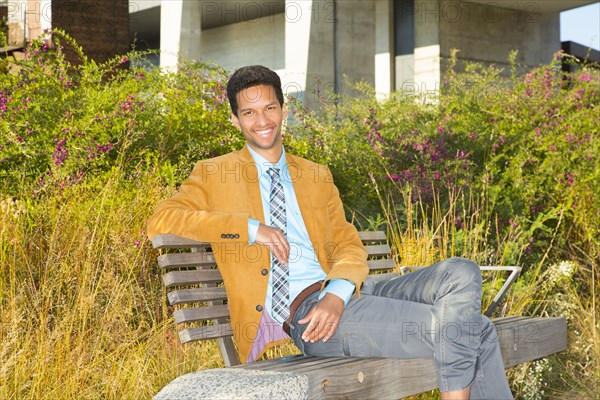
{"points": [[62, 122]]}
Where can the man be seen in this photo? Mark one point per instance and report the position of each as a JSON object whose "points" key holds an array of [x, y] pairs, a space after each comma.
{"points": [[292, 264]]}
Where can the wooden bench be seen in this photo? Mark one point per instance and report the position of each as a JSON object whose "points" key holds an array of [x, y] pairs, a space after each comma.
{"points": [[194, 288]]}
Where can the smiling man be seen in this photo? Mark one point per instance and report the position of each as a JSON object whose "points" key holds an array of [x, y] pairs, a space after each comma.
{"points": [[294, 267]]}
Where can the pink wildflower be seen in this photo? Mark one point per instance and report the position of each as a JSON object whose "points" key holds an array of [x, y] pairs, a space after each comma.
{"points": [[585, 77]]}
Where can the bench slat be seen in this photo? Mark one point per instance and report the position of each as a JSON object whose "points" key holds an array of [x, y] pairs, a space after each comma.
{"points": [[168, 241], [205, 332], [318, 363], [179, 260], [372, 236], [185, 296], [531, 338], [178, 278], [378, 265], [201, 314], [378, 250]]}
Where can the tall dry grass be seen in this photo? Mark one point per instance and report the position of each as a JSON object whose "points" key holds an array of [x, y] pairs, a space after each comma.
{"points": [[82, 309], [568, 287]]}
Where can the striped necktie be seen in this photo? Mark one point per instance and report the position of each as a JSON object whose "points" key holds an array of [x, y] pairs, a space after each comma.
{"points": [[280, 308]]}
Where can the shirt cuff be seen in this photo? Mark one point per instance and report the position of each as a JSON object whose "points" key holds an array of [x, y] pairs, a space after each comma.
{"points": [[342, 288], [253, 225]]}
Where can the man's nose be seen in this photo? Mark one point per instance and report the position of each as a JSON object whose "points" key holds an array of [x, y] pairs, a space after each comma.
{"points": [[261, 119]]}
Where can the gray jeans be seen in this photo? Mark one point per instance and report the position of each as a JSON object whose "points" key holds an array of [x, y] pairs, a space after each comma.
{"points": [[432, 312]]}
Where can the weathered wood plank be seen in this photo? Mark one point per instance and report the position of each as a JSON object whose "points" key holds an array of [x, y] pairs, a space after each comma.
{"points": [[168, 241], [186, 296], [378, 265], [315, 364], [498, 322], [179, 278], [293, 359], [372, 236], [530, 339], [378, 250], [201, 314], [374, 379], [205, 332], [179, 260]]}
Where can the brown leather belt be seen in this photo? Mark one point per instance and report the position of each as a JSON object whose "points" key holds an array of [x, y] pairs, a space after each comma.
{"points": [[297, 301]]}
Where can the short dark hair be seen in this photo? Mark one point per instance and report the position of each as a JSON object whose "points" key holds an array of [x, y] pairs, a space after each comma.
{"points": [[249, 76]]}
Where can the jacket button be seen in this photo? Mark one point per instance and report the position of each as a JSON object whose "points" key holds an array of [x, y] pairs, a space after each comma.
{"points": [[236, 236], [223, 236], [259, 308], [264, 272]]}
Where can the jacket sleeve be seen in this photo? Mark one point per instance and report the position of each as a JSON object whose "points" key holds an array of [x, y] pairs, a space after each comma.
{"points": [[347, 256], [188, 214]]}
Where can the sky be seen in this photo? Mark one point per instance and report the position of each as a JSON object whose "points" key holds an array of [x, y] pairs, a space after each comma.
{"points": [[582, 25]]}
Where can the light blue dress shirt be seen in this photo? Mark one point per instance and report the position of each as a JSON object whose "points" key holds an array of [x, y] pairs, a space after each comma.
{"points": [[304, 268]]}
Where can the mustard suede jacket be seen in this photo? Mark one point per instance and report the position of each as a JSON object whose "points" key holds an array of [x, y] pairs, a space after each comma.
{"points": [[214, 204]]}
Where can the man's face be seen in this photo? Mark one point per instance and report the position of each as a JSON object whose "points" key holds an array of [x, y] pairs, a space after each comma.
{"points": [[259, 118]]}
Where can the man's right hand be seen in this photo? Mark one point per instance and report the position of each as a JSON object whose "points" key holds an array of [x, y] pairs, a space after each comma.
{"points": [[275, 240]]}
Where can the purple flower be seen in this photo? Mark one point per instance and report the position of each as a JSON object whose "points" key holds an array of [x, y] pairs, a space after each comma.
{"points": [[104, 148], [60, 152], [570, 179]]}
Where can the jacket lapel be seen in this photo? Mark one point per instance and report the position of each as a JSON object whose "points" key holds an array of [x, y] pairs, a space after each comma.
{"points": [[249, 177], [301, 179]]}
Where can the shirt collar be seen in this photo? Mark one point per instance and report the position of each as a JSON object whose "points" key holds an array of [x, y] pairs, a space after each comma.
{"points": [[262, 165]]}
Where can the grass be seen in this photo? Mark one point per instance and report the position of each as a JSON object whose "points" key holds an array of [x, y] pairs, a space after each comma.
{"points": [[83, 312], [423, 235]]}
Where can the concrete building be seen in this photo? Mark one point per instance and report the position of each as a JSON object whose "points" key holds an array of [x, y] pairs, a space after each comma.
{"points": [[317, 46], [100, 27], [320, 45], [24, 20]]}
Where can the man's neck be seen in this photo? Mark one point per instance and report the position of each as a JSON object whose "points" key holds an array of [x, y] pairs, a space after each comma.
{"points": [[272, 155]]}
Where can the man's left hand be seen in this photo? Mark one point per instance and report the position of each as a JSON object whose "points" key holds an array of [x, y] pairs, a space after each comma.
{"points": [[323, 319]]}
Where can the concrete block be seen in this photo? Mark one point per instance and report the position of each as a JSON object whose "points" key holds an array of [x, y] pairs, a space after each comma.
{"points": [[232, 383]]}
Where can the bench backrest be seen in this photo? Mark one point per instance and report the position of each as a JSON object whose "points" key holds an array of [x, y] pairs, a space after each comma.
{"points": [[195, 287]]}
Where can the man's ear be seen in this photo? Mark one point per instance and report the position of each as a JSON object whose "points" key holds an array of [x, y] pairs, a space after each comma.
{"points": [[235, 121], [284, 111]]}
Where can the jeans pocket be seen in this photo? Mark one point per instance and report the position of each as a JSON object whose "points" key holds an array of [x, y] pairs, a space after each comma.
{"points": [[357, 345]]}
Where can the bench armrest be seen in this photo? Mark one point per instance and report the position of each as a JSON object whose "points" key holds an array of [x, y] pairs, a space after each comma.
{"points": [[514, 274]]}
